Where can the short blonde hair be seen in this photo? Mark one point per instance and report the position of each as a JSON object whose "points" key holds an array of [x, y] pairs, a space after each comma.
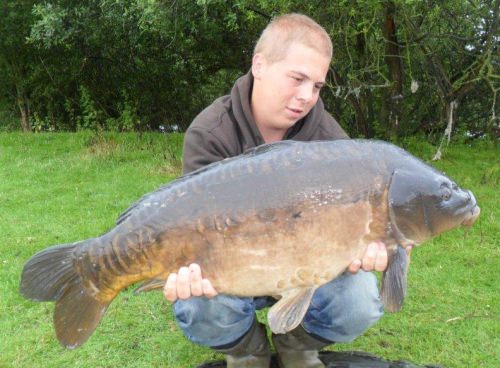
{"points": [[283, 30]]}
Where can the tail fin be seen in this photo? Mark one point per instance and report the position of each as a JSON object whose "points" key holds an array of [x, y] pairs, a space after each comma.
{"points": [[50, 275]]}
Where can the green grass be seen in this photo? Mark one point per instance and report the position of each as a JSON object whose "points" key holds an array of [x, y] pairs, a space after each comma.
{"points": [[57, 188]]}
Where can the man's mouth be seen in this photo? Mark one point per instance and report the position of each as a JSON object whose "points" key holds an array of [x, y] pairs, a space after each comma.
{"points": [[294, 111]]}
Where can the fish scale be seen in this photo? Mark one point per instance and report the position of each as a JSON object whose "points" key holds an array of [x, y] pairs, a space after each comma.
{"points": [[281, 219]]}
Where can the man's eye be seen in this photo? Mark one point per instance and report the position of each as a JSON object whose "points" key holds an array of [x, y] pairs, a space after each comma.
{"points": [[298, 79]]}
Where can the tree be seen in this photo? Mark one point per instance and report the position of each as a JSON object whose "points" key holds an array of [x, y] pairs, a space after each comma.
{"points": [[16, 57], [144, 60], [400, 67]]}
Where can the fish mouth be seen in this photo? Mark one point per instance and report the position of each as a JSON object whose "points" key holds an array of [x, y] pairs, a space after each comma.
{"points": [[471, 216]]}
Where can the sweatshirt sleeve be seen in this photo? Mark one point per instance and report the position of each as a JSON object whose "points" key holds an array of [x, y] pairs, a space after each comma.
{"points": [[201, 148]]}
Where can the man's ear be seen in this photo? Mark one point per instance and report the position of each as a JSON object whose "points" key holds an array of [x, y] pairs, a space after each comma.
{"points": [[258, 65]]}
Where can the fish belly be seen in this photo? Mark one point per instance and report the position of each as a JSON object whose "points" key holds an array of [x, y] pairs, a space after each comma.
{"points": [[295, 247]]}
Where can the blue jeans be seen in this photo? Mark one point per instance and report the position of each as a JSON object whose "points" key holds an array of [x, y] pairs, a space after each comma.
{"points": [[340, 311]]}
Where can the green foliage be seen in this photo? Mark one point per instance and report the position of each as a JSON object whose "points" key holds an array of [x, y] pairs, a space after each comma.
{"points": [[8, 119], [151, 63], [51, 24], [16, 58], [91, 116], [39, 124], [137, 58], [128, 119]]}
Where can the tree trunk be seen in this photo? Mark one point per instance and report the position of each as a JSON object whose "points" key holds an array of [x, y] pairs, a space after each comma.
{"points": [[364, 110], [362, 125], [392, 99], [24, 108]]}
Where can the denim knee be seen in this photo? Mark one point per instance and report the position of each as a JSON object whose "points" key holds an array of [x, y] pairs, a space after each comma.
{"points": [[215, 322], [344, 308]]}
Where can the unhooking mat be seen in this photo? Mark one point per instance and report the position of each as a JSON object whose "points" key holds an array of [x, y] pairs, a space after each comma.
{"points": [[346, 359]]}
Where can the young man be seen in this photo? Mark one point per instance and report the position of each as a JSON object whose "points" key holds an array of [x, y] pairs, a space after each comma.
{"points": [[278, 99]]}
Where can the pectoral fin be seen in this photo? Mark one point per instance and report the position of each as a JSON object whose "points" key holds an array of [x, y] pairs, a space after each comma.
{"points": [[149, 285], [393, 289], [289, 311]]}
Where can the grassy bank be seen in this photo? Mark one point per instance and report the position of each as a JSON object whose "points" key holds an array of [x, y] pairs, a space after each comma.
{"points": [[58, 188]]}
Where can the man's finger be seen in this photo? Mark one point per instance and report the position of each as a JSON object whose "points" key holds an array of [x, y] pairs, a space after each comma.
{"points": [[196, 286], [183, 283], [381, 258], [208, 289], [354, 266], [368, 261], [170, 288]]}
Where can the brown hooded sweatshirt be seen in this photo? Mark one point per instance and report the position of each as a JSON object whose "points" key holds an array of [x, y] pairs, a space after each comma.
{"points": [[226, 128]]}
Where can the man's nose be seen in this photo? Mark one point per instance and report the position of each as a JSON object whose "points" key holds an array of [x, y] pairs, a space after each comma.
{"points": [[305, 92]]}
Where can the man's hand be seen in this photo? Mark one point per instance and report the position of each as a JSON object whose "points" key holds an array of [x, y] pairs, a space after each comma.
{"points": [[186, 283], [374, 259]]}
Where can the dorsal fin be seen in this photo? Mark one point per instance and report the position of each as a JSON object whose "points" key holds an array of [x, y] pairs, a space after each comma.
{"points": [[269, 147], [251, 151]]}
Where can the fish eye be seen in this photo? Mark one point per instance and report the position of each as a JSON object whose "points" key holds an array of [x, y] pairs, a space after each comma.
{"points": [[445, 193]]}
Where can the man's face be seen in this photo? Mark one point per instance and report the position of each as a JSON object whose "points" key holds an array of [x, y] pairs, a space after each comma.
{"points": [[286, 90]]}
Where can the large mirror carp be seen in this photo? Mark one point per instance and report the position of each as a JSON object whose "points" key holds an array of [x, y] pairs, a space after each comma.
{"points": [[279, 220]]}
